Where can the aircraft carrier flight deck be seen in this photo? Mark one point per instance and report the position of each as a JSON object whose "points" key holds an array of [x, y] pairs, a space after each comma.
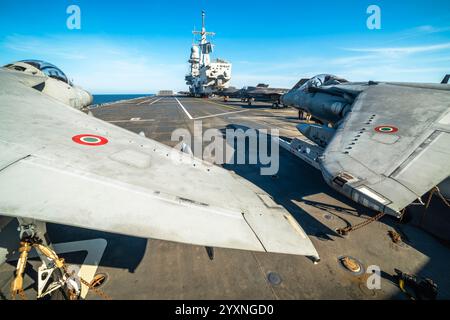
{"points": [[136, 268]]}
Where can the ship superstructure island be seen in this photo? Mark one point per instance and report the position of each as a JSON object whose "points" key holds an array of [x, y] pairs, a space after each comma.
{"points": [[206, 77]]}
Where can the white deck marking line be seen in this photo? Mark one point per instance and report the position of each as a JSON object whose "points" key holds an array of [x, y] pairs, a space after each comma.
{"points": [[145, 101], [219, 114], [184, 109], [154, 101], [131, 120]]}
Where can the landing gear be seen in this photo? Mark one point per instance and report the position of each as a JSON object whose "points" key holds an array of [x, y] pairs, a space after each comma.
{"points": [[302, 115], [250, 101], [278, 105], [53, 275]]}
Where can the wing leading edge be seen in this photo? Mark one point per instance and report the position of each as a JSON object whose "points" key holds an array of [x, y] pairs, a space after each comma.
{"points": [[59, 165]]}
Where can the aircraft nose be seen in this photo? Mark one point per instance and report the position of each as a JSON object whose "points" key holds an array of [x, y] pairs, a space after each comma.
{"points": [[284, 99]]}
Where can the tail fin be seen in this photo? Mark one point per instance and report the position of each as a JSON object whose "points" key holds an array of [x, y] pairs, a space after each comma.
{"points": [[446, 78]]}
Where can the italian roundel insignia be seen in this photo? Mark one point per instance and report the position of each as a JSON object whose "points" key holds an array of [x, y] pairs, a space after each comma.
{"points": [[90, 140], [386, 129]]}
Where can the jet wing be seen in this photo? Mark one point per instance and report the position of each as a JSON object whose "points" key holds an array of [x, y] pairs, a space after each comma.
{"points": [[60, 165], [392, 148]]}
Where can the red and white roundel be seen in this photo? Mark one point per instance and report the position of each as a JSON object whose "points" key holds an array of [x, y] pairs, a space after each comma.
{"points": [[90, 140], [386, 129]]}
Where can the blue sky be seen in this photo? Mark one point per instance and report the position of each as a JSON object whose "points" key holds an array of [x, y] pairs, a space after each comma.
{"points": [[143, 46]]}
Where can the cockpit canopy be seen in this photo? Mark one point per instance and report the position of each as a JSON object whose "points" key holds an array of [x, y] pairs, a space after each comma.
{"points": [[47, 68], [322, 80]]}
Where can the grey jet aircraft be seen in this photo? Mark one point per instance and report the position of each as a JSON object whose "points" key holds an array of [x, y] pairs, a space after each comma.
{"points": [[263, 93], [230, 92], [382, 144]]}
